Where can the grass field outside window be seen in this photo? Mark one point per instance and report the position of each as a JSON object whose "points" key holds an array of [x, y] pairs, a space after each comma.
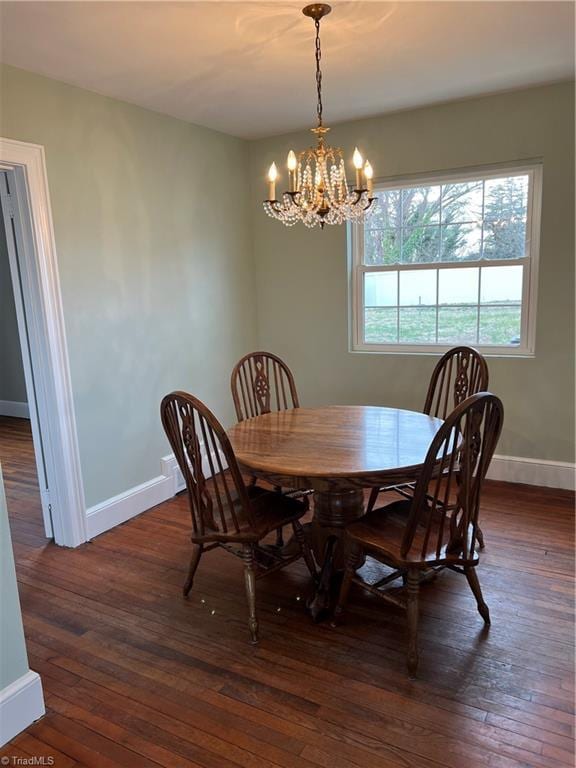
{"points": [[449, 261]]}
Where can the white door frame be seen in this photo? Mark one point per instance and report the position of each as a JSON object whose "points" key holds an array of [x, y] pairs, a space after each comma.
{"points": [[14, 242], [40, 290]]}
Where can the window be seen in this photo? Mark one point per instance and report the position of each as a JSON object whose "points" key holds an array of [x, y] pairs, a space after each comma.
{"points": [[447, 260]]}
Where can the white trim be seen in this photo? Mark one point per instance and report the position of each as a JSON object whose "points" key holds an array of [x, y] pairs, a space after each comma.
{"points": [[124, 506], [22, 290], [171, 469], [48, 348], [134, 501], [530, 296], [471, 173], [21, 703], [542, 472], [14, 409], [357, 269]]}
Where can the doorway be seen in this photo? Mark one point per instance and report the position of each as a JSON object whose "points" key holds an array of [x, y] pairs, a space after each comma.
{"points": [[21, 448], [33, 271]]}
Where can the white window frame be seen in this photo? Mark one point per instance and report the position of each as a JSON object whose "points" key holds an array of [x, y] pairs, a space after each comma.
{"points": [[357, 268]]}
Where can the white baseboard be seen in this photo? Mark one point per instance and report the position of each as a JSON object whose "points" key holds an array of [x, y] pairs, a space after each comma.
{"points": [[21, 703], [16, 410], [551, 474], [511, 469], [134, 501], [171, 469], [119, 509]]}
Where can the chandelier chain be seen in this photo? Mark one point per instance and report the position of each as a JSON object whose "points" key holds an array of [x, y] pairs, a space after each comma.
{"points": [[318, 192], [318, 73]]}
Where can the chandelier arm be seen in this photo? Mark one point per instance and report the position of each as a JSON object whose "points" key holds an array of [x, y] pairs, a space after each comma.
{"points": [[370, 203]]}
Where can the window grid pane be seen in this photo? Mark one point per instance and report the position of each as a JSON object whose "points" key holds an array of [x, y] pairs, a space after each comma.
{"points": [[459, 221], [458, 324], [417, 325], [381, 325], [500, 325], [469, 305]]}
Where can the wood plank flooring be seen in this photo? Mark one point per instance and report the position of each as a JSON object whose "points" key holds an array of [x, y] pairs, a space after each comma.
{"points": [[21, 482], [136, 676]]}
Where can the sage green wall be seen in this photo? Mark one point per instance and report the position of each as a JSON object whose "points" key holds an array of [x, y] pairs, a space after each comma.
{"points": [[152, 231], [302, 275], [12, 384], [13, 658], [162, 289]]}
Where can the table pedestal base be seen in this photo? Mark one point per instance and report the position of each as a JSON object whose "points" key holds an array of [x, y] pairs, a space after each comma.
{"points": [[333, 511]]}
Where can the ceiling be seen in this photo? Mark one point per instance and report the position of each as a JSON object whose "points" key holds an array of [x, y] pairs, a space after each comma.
{"points": [[247, 68]]}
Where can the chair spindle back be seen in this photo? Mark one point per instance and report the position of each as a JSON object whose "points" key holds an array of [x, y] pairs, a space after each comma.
{"points": [[218, 506], [446, 501], [459, 373], [262, 382]]}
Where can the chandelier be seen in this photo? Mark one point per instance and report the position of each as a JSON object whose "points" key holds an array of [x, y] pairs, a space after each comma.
{"points": [[318, 192]]}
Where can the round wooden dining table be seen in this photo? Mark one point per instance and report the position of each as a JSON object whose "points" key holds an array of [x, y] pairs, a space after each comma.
{"points": [[337, 451]]}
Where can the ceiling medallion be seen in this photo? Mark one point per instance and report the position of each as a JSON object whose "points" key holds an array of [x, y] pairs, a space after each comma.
{"points": [[318, 192]]}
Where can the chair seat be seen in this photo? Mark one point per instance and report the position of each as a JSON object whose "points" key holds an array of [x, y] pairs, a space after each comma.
{"points": [[382, 530], [271, 511]]}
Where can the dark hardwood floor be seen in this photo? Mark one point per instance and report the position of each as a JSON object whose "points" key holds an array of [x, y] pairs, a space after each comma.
{"points": [[136, 676], [21, 482]]}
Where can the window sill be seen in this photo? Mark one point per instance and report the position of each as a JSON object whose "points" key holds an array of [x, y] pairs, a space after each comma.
{"points": [[436, 350]]}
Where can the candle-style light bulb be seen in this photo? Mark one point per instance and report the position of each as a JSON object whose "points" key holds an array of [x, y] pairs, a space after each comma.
{"points": [[369, 175], [272, 176], [358, 164], [292, 163], [318, 182]]}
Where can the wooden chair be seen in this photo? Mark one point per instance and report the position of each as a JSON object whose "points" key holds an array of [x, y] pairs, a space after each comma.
{"points": [[459, 373], [431, 530], [262, 382], [225, 512]]}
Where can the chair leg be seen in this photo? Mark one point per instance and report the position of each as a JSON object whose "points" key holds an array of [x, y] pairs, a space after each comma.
{"points": [[413, 589], [483, 609], [194, 561], [479, 537], [373, 499], [352, 557], [279, 532], [279, 538], [305, 548], [250, 581]]}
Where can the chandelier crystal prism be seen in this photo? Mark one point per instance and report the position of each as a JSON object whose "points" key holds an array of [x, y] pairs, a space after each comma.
{"points": [[318, 191]]}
